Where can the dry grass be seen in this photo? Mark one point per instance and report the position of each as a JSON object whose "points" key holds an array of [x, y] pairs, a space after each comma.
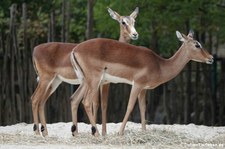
{"points": [[147, 139]]}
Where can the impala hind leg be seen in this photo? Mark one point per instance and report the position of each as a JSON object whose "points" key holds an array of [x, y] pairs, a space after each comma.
{"points": [[35, 98], [92, 92], [104, 89], [133, 98], [142, 107], [51, 87], [104, 102], [75, 100]]}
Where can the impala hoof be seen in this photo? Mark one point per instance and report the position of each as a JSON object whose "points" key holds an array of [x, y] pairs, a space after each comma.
{"points": [[73, 130], [121, 133], [36, 130], [35, 127], [42, 128], [45, 133], [94, 131], [104, 133]]}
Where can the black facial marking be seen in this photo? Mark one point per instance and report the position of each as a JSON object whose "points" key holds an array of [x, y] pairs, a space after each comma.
{"points": [[35, 127], [42, 128], [124, 23], [93, 129], [73, 128]]}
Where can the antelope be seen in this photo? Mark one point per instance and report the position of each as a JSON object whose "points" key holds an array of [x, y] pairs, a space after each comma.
{"points": [[127, 32], [52, 64], [101, 60]]}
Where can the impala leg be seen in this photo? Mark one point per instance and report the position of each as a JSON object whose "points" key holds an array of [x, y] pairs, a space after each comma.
{"points": [[52, 86], [36, 98], [92, 92], [133, 98], [35, 105], [75, 100], [104, 103], [95, 107], [142, 107], [44, 130]]}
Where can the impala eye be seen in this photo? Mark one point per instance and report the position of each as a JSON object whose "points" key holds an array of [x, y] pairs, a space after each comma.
{"points": [[197, 46], [123, 23]]}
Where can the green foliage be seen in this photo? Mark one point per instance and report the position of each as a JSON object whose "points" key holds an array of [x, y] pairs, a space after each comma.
{"points": [[78, 20], [157, 20]]}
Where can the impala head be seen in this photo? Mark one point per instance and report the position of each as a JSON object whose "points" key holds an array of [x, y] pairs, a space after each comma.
{"points": [[126, 23], [196, 51]]}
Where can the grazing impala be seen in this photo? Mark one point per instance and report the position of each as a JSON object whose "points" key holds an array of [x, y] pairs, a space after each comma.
{"points": [[52, 64], [103, 60]]}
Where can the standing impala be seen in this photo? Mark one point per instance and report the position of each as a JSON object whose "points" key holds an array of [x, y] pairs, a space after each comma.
{"points": [[52, 64], [103, 60]]}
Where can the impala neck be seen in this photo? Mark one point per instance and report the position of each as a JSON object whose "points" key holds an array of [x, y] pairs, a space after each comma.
{"points": [[171, 67], [124, 37]]}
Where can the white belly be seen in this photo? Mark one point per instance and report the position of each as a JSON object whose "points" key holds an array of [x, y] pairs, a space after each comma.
{"points": [[115, 79], [70, 81]]}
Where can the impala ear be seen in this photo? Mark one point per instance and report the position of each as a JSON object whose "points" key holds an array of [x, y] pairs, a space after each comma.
{"points": [[180, 36], [135, 13], [191, 34], [114, 14]]}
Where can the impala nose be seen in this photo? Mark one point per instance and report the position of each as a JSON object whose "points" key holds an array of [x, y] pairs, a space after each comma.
{"points": [[135, 36], [210, 61]]}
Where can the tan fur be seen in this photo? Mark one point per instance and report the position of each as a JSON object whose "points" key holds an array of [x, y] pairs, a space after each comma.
{"points": [[140, 65], [52, 64]]}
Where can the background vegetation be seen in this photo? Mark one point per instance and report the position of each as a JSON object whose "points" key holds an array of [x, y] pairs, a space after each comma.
{"points": [[195, 96]]}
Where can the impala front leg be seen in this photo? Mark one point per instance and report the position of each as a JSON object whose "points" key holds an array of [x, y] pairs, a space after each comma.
{"points": [[104, 101], [95, 108], [142, 107], [132, 100]]}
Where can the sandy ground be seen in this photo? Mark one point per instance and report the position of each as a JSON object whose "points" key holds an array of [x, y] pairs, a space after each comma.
{"points": [[21, 136]]}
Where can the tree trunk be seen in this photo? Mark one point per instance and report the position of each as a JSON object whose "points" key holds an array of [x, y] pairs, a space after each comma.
{"points": [[26, 63], [221, 93], [51, 30], [13, 50], [63, 20], [89, 31]]}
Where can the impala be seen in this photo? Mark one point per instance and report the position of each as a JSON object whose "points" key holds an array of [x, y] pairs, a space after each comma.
{"points": [[98, 61], [52, 65]]}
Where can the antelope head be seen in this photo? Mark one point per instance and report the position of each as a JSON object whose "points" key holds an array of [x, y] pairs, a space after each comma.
{"points": [[127, 23], [195, 49]]}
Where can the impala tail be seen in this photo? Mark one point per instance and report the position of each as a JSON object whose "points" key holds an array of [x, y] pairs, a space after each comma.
{"points": [[76, 67], [35, 68]]}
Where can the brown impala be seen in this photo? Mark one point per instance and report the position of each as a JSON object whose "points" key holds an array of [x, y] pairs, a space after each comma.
{"points": [[98, 61], [52, 64]]}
